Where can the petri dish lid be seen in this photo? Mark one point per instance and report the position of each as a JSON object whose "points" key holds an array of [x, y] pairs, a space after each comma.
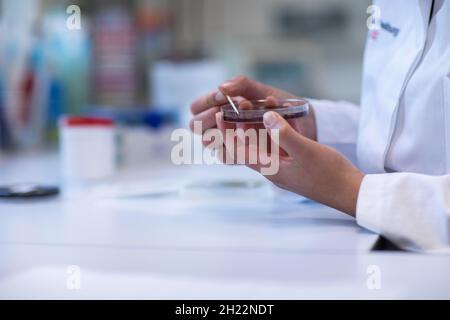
{"points": [[287, 108]]}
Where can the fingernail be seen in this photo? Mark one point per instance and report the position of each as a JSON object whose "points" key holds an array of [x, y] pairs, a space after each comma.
{"points": [[220, 97], [272, 121], [226, 84]]}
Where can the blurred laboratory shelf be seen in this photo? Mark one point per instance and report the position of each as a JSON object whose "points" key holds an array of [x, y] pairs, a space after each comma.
{"points": [[170, 244]]}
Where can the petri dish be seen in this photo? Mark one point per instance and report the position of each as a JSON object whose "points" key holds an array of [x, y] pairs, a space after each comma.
{"points": [[287, 108]]}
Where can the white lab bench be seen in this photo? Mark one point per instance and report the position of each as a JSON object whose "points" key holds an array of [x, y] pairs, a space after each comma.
{"points": [[173, 247]]}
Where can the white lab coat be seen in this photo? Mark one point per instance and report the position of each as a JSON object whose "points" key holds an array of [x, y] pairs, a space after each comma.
{"points": [[402, 130]]}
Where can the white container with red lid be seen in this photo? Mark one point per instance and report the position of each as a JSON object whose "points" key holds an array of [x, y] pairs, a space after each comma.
{"points": [[88, 149]]}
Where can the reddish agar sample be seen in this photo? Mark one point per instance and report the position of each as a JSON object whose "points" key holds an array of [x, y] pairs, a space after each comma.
{"points": [[287, 108]]}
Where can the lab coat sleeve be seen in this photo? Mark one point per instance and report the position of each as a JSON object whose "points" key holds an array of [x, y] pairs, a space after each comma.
{"points": [[336, 121], [411, 210]]}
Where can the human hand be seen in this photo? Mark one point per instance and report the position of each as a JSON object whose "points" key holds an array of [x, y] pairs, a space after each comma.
{"points": [[306, 167], [241, 88]]}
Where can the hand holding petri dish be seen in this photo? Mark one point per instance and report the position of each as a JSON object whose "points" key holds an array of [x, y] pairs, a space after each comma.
{"points": [[255, 109]]}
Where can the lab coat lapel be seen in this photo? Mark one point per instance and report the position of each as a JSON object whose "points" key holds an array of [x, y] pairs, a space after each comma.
{"points": [[392, 53]]}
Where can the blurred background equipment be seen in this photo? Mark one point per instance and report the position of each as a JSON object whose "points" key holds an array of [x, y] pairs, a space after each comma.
{"points": [[114, 53], [88, 149], [21, 191], [148, 59]]}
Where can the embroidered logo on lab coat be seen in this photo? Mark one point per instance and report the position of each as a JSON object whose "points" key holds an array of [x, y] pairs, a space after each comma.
{"points": [[394, 31]]}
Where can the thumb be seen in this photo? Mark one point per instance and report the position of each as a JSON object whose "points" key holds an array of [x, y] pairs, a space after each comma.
{"points": [[290, 140]]}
